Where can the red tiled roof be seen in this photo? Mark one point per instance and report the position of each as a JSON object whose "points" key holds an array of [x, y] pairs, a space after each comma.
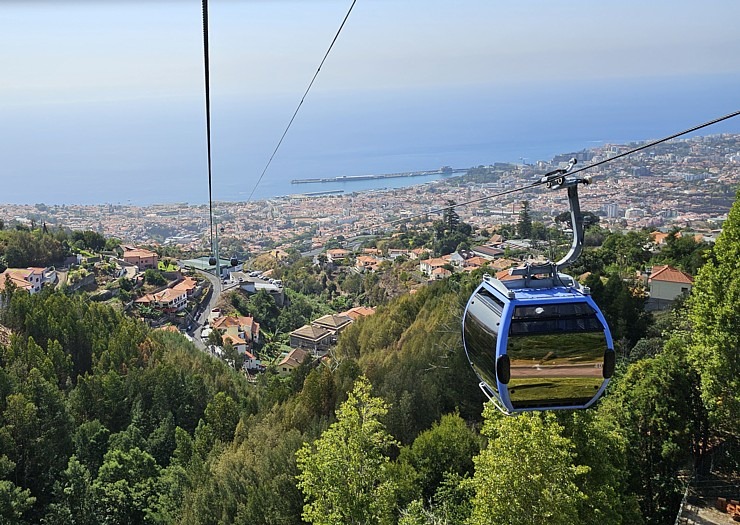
{"points": [[294, 358], [15, 279], [504, 275], [357, 312], [312, 333], [139, 252], [670, 274], [333, 321]]}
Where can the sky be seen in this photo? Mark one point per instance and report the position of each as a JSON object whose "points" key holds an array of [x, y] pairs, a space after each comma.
{"points": [[100, 99]]}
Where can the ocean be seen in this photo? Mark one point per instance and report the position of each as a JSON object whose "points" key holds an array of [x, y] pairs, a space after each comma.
{"points": [[153, 151]]}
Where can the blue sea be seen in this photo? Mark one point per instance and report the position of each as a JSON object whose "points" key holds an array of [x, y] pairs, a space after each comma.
{"points": [[153, 151]]}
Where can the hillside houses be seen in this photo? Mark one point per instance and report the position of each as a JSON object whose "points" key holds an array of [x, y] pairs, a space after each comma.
{"points": [[367, 263], [666, 284], [168, 300], [319, 336], [337, 255], [29, 279], [316, 339], [143, 259], [242, 332], [429, 266]]}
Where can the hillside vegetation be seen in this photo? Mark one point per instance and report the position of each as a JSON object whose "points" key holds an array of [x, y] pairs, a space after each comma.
{"points": [[104, 421]]}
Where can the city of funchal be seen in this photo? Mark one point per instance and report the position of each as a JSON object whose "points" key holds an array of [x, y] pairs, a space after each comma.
{"points": [[540, 341]]}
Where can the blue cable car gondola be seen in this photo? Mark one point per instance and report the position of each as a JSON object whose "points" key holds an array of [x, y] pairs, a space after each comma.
{"points": [[536, 339]]}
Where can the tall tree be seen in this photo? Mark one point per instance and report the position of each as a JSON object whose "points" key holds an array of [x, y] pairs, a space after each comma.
{"points": [[125, 485], [715, 316], [527, 474], [656, 405], [524, 226], [14, 501], [448, 447], [450, 217], [345, 474]]}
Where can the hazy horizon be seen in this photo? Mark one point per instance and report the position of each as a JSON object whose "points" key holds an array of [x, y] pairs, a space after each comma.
{"points": [[104, 102]]}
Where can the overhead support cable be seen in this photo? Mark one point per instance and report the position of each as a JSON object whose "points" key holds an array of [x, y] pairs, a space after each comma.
{"points": [[207, 75], [290, 123]]}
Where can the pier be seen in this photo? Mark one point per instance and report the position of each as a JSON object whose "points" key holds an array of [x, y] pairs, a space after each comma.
{"points": [[445, 170]]}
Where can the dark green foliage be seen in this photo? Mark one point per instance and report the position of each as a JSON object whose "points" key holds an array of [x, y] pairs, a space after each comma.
{"points": [[154, 277], [450, 232], [88, 239], [445, 449], [21, 249], [412, 352], [90, 442], [74, 501], [119, 418], [252, 483], [683, 252], [125, 486], [15, 502], [623, 306], [222, 415], [658, 408], [524, 226]]}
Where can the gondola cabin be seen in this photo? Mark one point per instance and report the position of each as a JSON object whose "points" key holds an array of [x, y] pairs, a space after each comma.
{"points": [[538, 344]]}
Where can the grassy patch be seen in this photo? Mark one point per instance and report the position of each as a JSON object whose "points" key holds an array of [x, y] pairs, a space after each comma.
{"points": [[171, 267], [527, 392]]}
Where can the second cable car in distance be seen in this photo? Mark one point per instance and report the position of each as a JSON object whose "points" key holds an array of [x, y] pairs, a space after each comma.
{"points": [[536, 339]]}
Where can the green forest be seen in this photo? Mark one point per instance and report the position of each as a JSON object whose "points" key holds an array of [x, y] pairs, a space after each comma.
{"points": [[104, 421]]}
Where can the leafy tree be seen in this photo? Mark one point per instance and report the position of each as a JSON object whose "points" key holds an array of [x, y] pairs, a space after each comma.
{"points": [[253, 482], [604, 448], [262, 307], [14, 500], [715, 317], [657, 406], [450, 505], [527, 474], [154, 277], [91, 442], [627, 250], [215, 338], [684, 252], [344, 475], [74, 501], [623, 307], [222, 415], [124, 486], [447, 448]]}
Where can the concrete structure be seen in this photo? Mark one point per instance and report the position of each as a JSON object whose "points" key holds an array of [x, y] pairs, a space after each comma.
{"points": [[203, 264], [333, 323], [314, 338], [29, 279], [168, 300], [428, 266], [292, 361], [140, 257], [666, 284]]}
